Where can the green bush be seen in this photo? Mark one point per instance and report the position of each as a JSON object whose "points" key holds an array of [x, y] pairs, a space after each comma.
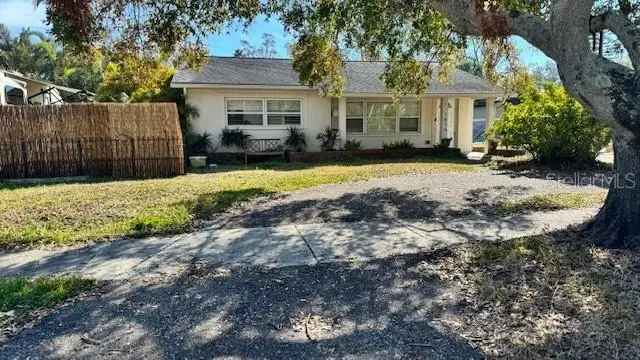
{"points": [[296, 139], [552, 126], [328, 139], [198, 144], [398, 145], [234, 138], [352, 145]]}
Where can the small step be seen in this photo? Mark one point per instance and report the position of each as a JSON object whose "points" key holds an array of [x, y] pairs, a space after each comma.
{"points": [[476, 156]]}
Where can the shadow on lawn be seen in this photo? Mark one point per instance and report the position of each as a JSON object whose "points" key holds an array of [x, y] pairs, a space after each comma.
{"points": [[597, 175]]}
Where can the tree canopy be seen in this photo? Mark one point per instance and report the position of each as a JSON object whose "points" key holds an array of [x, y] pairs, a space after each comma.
{"points": [[36, 55]]}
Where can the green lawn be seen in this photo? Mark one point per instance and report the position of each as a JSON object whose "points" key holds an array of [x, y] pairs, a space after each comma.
{"points": [[551, 202], [65, 214], [20, 295]]}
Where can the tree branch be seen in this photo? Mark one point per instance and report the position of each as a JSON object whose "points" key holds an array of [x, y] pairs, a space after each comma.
{"points": [[626, 30], [469, 20]]}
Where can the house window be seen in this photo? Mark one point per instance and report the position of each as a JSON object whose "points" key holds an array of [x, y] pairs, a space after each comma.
{"points": [[409, 115], [284, 112], [355, 117], [262, 112], [245, 112], [381, 119]]}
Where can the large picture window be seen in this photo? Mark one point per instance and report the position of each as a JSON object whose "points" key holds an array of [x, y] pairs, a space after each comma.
{"points": [[264, 112], [377, 118]]}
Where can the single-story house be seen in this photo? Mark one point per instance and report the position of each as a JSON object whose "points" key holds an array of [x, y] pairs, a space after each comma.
{"points": [[18, 89], [264, 97]]}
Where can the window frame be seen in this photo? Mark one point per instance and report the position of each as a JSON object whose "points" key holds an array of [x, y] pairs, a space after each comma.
{"points": [[418, 116], [362, 117], [265, 113]]}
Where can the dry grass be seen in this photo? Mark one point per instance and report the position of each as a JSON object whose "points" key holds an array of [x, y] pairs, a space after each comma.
{"points": [[551, 202], [65, 214], [539, 298]]}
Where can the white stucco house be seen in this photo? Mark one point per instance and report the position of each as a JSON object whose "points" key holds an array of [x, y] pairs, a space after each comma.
{"points": [[264, 97], [18, 89]]}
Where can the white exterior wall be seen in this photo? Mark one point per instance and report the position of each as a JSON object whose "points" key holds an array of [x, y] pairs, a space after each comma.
{"points": [[316, 116], [316, 113], [465, 125]]}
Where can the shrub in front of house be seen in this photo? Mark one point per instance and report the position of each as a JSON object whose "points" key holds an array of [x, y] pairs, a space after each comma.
{"points": [[352, 145], [552, 126], [234, 138], [198, 144], [398, 145], [328, 139], [296, 140]]}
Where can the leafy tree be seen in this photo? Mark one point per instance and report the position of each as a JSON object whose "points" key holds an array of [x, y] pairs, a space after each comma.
{"points": [[30, 53], [133, 78], [36, 55], [552, 126], [80, 71], [402, 31]]}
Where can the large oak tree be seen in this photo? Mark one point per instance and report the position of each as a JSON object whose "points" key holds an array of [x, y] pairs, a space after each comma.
{"points": [[402, 31]]}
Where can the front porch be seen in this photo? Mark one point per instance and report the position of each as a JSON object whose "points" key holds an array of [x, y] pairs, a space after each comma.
{"points": [[425, 121]]}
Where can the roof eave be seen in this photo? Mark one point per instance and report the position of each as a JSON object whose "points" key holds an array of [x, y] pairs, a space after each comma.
{"points": [[471, 94], [185, 85]]}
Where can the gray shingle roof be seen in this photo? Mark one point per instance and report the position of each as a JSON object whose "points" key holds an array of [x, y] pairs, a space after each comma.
{"points": [[362, 77]]}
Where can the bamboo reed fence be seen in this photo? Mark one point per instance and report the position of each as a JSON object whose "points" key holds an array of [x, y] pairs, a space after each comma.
{"points": [[100, 140]]}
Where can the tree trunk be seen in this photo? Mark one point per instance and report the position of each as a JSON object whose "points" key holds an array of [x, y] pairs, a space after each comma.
{"points": [[617, 225]]}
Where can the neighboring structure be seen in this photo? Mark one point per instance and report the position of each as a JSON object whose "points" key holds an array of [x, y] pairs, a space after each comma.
{"points": [[17, 89], [264, 97]]}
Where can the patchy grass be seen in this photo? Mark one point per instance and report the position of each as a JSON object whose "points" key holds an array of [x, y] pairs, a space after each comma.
{"points": [[551, 202], [66, 214], [543, 297], [22, 295]]}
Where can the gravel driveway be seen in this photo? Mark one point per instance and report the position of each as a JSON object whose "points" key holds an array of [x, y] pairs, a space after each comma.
{"points": [[377, 310], [406, 197]]}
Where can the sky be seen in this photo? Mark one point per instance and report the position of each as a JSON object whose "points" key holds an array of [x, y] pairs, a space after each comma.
{"points": [[17, 14]]}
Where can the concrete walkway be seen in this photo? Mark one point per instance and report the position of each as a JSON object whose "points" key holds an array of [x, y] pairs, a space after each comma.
{"points": [[300, 244]]}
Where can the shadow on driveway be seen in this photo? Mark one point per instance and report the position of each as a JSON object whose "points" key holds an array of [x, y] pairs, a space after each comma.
{"points": [[373, 310]]}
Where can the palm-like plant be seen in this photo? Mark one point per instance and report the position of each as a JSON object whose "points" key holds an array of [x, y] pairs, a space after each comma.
{"points": [[6, 44], [31, 53]]}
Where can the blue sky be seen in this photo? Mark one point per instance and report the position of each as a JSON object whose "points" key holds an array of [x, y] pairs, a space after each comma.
{"points": [[17, 14]]}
